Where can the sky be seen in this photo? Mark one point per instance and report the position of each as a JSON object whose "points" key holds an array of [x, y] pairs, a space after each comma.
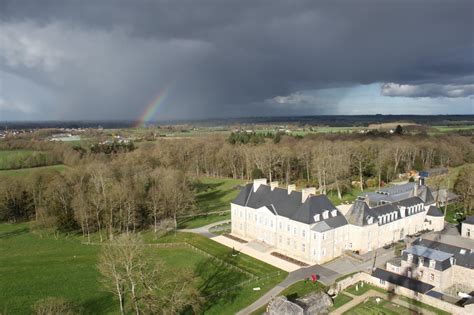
{"points": [[177, 59]]}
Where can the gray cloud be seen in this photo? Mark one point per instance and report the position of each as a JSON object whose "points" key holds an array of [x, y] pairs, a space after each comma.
{"points": [[108, 59], [427, 90]]}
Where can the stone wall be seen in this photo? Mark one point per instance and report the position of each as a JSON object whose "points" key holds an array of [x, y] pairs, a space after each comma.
{"points": [[362, 276]]}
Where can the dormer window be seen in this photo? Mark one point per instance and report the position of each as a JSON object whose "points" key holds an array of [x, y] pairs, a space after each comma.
{"points": [[370, 220], [410, 258], [326, 214], [334, 213], [317, 217], [421, 261]]}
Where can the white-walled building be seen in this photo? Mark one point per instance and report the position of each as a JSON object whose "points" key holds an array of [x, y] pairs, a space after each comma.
{"points": [[310, 228]]}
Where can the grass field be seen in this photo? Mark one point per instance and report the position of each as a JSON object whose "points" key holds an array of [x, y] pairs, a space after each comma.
{"points": [[36, 265], [453, 128], [8, 158], [212, 194], [27, 171], [16, 159], [370, 306]]}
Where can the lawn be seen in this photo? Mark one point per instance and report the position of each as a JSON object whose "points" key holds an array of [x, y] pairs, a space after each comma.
{"points": [[33, 268], [362, 289], [302, 288], [36, 265], [202, 220], [347, 197], [215, 194], [340, 300], [370, 306], [212, 194]]}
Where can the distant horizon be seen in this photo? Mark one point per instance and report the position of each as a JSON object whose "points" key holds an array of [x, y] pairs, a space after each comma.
{"points": [[329, 120]]}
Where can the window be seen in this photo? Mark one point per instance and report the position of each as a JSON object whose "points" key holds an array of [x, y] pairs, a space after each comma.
{"points": [[288, 228], [324, 236], [303, 248], [241, 212], [432, 263], [294, 244], [334, 213], [294, 230], [316, 217], [303, 232], [432, 276], [315, 253], [314, 235], [280, 239], [410, 258], [325, 214], [255, 218], [382, 282], [271, 223]]}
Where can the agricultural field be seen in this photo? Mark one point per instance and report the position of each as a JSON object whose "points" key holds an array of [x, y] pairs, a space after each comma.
{"points": [[27, 171], [453, 128], [36, 264], [17, 159]]}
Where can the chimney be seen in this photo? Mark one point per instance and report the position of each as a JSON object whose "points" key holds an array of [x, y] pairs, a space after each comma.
{"points": [[421, 181], [258, 182], [273, 185], [306, 192], [291, 188]]}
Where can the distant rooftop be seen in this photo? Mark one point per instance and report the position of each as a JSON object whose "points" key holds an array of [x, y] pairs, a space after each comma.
{"points": [[429, 253]]}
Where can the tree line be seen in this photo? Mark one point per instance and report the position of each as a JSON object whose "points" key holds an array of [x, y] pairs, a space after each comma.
{"points": [[120, 196]]}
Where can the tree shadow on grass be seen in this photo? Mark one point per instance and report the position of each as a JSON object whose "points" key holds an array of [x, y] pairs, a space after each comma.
{"points": [[104, 303], [218, 282], [13, 233]]}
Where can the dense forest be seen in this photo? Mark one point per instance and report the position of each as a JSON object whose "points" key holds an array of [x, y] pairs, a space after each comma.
{"points": [[150, 184]]}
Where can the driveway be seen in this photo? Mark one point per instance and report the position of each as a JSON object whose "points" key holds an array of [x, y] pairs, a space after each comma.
{"points": [[327, 277]]}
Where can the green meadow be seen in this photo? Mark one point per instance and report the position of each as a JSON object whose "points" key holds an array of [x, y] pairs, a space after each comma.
{"points": [[212, 194], [39, 264]]}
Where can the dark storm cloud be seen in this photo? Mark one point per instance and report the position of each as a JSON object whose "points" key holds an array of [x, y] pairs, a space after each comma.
{"points": [[108, 59]]}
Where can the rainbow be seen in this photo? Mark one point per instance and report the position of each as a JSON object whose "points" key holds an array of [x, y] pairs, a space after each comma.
{"points": [[151, 109]]}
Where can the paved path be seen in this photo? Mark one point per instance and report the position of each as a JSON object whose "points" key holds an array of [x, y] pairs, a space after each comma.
{"points": [[327, 277], [357, 299], [204, 230]]}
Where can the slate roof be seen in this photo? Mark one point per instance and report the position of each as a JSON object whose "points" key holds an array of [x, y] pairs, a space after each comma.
{"points": [[429, 253], [289, 205], [463, 256], [399, 193], [469, 220], [442, 259], [359, 213], [397, 261], [409, 202], [434, 212], [402, 281]]}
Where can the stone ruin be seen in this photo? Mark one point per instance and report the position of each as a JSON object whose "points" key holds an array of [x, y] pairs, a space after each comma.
{"points": [[311, 304]]}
